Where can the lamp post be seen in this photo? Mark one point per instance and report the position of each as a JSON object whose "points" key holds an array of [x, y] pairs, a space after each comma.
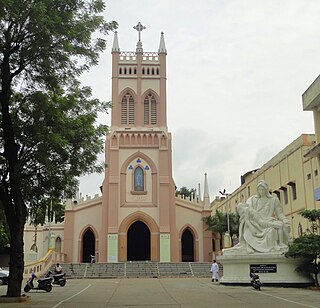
{"points": [[227, 237]]}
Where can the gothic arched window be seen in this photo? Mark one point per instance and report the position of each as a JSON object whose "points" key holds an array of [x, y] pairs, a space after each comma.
{"points": [[150, 110], [127, 109], [138, 179]]}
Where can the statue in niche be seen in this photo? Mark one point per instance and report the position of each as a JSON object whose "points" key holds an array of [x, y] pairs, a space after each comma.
{"points": [[263, 226]]}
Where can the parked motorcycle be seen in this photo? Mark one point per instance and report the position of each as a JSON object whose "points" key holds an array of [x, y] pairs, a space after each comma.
{"points": [[58, 278], [255, 281], [43, 284]]}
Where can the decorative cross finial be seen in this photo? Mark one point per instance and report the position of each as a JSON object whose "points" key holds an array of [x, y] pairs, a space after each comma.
{"points": [[139, 27]]}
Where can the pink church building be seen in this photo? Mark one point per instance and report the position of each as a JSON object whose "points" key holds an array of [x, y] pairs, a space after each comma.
{"points": [[138, 216]]}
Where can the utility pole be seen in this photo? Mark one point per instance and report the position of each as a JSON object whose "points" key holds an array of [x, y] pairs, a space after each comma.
{"points": [[227, 237]]}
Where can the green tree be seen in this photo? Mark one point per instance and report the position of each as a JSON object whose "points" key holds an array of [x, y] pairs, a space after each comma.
{"points": [[219, 223], [184, 191], [307, 246], [47, 133]]}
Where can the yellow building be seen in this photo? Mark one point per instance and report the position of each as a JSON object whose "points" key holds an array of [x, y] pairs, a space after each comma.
{"points": [[311, 102]]}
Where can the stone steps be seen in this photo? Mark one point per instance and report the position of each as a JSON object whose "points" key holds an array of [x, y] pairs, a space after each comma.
{"points": [[136, 269], [181, 269], [142, 269], [201, 269]]}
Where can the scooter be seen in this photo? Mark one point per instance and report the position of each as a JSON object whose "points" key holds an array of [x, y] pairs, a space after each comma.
{"points": [[58, 278], [255, 281], [43, 284]]}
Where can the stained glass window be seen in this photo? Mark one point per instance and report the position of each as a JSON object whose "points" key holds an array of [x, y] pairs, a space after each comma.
{"points": [[138, 179]]}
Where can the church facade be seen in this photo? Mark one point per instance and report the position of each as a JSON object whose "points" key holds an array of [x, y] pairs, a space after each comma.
{"points": [[138, 216]]}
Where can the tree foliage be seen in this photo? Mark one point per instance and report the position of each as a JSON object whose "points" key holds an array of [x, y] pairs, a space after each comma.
{"points": [[47, 133], [219, 223], [307, 246], [58, 141], [184, 191]]}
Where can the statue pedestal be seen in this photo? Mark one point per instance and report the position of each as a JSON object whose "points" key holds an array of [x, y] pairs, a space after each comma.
{"points": [[273, 269]]}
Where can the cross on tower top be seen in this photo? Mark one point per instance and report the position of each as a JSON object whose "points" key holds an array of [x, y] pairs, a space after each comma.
{"points": [[139, 27]]}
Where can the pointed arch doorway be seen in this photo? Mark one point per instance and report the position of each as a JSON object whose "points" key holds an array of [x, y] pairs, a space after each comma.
{"points": [[138, 241], [88, 245], [187, 246]]}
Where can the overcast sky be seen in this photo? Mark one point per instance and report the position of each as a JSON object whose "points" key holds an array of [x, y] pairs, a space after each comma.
{"points": [[236, 70]]}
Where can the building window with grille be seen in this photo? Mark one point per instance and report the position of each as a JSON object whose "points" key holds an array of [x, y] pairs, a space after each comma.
{"points": [[138, 179], [127, 109], [285, 194], [277, 193], [293, 189], [150, 110]]}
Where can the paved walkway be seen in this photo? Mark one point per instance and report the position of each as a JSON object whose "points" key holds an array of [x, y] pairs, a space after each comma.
{"points": [[173, 292]]}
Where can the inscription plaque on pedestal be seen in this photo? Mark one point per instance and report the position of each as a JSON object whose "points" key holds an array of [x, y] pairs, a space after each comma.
{"points": [[263, 268]]}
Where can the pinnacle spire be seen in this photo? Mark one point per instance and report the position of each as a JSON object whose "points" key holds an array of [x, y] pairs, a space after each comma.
{"points": [[206, 197], [115, 46], [162, 45], [199, 192]]}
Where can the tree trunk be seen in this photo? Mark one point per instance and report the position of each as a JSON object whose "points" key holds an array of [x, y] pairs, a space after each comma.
{"points": [[16, 265], [316, 272], [11, 195]]}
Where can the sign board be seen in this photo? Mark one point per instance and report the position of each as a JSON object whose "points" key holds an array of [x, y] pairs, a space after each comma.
{"points": [[112, 247], [263, 268]]}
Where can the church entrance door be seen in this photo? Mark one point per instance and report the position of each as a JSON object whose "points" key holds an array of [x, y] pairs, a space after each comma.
{"points": [[88, 246], [138, 242], [187, 243]]}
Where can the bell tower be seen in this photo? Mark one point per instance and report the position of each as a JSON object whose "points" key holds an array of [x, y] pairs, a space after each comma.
{"points": [[139, 86], [138, 184]]}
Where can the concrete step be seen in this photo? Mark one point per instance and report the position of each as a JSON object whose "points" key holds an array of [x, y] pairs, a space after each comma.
{"points": [[181, 269], [201, 269], [137, 269]]}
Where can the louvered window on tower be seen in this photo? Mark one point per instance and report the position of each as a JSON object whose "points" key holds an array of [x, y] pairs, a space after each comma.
{"points": [[124, 111], [131, 110], [153, 111], [150, 110], [146, 111], [127, 110]]}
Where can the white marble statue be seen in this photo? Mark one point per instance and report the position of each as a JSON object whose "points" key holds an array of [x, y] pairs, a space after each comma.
{"points": [[263, 227]]}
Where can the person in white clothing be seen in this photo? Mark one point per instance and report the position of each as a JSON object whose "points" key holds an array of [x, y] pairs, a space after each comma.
{"points": [[58, 269], [215, 271]]}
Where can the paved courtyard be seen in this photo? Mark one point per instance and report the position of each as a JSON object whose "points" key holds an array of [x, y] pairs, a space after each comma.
{"points": [[173, 292]]}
